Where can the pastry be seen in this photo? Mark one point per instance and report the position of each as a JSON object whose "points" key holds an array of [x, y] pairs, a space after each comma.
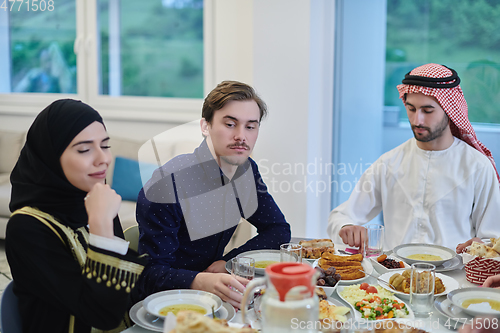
{"points": [[313, 249]]}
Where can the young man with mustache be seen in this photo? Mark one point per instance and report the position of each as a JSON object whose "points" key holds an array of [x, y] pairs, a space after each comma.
{"points": [[189, 209], [440, 187]]}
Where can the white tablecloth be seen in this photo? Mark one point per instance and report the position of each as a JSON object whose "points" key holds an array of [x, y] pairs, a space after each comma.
{"points": [[436, 323]]}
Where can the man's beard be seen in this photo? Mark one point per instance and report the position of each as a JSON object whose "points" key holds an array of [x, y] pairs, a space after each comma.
{"points": [[234, 160], [432, 134]]}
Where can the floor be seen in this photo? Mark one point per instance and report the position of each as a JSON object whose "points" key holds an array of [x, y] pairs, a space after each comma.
{"points": [[5, 276]]}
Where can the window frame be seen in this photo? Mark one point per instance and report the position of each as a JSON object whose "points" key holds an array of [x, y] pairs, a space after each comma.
{"points": [[131, 108]]}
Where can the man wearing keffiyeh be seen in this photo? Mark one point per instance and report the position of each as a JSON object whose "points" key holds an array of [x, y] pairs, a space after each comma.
{"points": [[440, 187]]}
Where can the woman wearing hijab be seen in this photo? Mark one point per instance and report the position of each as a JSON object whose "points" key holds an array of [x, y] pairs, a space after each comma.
{"points": [[71, 267]]}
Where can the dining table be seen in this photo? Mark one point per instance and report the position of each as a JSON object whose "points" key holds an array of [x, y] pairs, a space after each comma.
{"points": [[436, 323]]}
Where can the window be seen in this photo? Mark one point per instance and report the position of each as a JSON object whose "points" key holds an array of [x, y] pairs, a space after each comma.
{"points": [[377, 43], [151, 48], [41, 47], [461, 34], [148, 53]]}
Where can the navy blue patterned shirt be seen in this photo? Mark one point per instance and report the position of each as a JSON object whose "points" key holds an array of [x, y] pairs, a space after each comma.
{"points": [[188, 212]]}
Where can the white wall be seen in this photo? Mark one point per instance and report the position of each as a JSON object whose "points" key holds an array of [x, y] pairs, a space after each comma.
{"points": [[281, 76], [288, 72], [266, 44]]}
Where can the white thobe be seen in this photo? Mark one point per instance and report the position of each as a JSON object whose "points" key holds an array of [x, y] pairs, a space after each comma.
{"points": [[441, 197]]}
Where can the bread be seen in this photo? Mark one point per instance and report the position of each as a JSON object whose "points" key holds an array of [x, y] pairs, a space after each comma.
{"points": [[320, 292], [490, 253], [327, 310], [478, 249], [313, 249], [317, 243], [193, 322], [495, 244]]}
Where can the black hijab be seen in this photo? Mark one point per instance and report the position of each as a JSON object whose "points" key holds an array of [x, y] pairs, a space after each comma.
{"points": [[38, 179]]}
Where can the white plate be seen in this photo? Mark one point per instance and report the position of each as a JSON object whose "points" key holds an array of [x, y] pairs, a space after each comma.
{"points": [[365, 263], [457, 297], [261, 271], [258, 255], [332, 301], [405, 250], [142, 318], [357, 314], [155, 302], [328, 290], [227, 312], [349, 315], [381, 268], [453, 264], [449, 283], [447, 309], [310, 261]]}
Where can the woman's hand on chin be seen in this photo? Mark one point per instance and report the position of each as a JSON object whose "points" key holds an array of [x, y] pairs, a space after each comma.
{"points": [[102, 205]]}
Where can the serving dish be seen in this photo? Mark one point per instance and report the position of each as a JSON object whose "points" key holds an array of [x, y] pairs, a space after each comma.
{"points": [[367, 268], [459, 296], [157, 301], [329, 290], [258, 255], [308, 260], [449, 283], [349, 315], [405, 250], [447, 309], [451, 265], [357, 314], [381, 269], [146, 320]]}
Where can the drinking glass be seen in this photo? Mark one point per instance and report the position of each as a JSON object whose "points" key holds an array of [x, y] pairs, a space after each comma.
{"points": [[374, 245], [243, 267], [290, 252], [422, 289]]}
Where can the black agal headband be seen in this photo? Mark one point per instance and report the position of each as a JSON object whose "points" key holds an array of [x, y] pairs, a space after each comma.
{"points": [[433, 82]]}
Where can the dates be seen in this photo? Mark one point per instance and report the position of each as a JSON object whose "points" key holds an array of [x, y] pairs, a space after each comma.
{"points": [[327, 278], [392, 264]]}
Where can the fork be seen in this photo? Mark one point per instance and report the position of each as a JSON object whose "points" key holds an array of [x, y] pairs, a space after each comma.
{"points": [[379, 279]]}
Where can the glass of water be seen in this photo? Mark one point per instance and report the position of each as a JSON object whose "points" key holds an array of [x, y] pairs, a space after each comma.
{"points": [[422, 289], [374, 245], [243, 267], [290, 252]]}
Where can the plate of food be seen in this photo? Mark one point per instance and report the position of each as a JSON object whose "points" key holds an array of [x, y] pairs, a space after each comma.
{"points": [[161, 303], [447, 309], [451, 265], [146, 320], [263, 258], [327, 280], [351, 268], [477, 301], [384, 264], [374, 303], [400, 279], [331, 310], [313, 249], [429, 253]]}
